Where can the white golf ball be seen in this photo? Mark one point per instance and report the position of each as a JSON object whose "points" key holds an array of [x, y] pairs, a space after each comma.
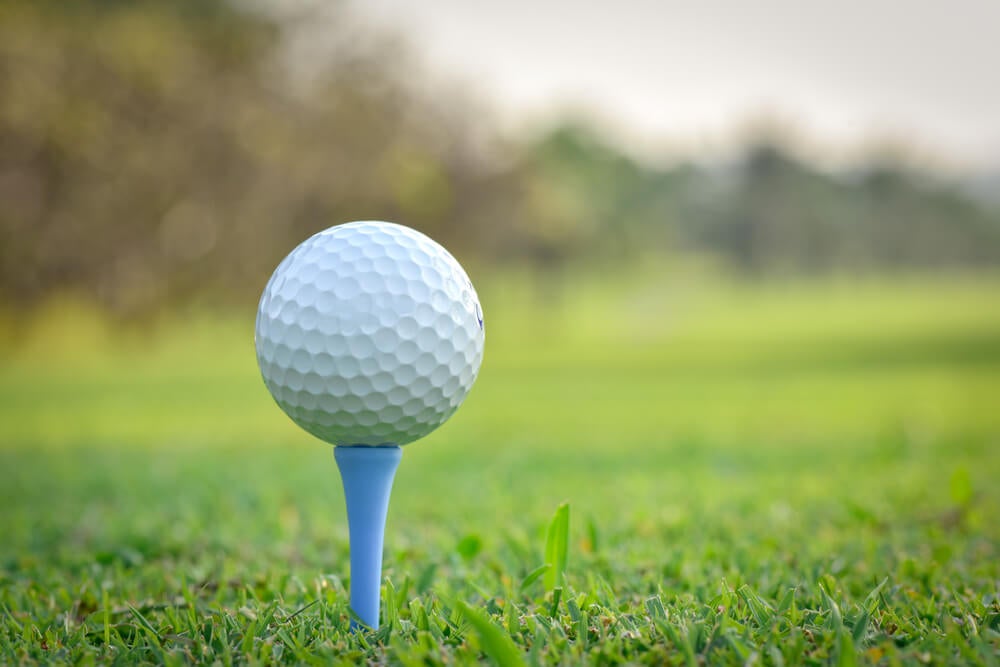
{"points": [[369, 333]]}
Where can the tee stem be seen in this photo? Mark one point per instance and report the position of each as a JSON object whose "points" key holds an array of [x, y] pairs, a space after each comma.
{"points": [[367, 474]]}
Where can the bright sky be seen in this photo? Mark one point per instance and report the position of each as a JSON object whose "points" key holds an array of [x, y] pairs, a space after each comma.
{"points": [[690, 74]]}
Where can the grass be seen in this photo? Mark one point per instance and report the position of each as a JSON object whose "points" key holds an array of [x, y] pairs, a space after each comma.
{"points": [[649, 471]]}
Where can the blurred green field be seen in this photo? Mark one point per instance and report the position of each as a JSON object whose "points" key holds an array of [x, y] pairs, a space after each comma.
{"points": [[718, 445]]}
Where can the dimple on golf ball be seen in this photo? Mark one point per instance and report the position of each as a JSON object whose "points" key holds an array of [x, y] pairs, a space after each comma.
{"points": [[369, 333]]}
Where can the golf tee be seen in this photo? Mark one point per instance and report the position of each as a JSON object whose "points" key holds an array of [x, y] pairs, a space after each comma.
{"points": [[367, 474]]}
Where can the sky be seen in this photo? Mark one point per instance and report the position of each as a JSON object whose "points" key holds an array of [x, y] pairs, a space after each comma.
{"points": [[694, 76]]}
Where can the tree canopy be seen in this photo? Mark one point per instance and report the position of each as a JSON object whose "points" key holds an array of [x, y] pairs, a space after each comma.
{"points": [[160, 152]]}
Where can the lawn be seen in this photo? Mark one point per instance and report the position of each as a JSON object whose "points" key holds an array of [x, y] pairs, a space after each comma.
{"points": [[773, 473]]}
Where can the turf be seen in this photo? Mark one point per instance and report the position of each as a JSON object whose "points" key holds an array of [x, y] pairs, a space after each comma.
{"points": [[651, 471]]}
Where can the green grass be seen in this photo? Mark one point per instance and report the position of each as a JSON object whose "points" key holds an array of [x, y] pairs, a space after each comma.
{"points": [[779, 474]]}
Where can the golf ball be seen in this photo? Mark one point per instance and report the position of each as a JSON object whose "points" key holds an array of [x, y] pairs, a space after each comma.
{"points": [[369, 333]]}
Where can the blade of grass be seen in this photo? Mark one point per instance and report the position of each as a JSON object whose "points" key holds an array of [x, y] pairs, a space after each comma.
{"points": [[534, 575], [495, 643], [154, 636], [759, 609], [556, 547]]}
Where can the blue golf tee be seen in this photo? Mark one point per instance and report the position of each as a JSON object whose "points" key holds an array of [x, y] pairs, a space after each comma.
{"points": [[367, 474]]}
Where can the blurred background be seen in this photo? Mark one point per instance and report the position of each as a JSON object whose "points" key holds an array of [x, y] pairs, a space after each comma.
{"points": [[157, 155], [757, 239]]}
